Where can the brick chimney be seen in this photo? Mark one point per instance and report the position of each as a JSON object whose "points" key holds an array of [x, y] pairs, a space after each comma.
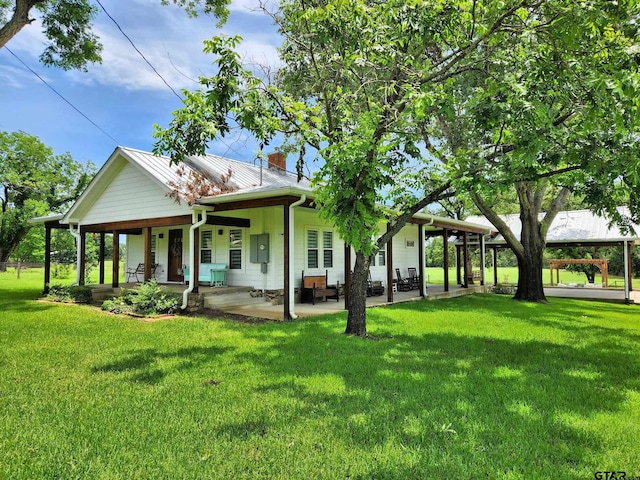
{"points": [[277, 161]]}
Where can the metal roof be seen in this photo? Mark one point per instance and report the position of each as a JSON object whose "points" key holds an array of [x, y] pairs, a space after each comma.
{"points": [[242, 176], [579, 226]]}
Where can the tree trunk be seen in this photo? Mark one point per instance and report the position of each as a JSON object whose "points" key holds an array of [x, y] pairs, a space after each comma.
{"points": [[357, 317], [4, 258], [530, 286], [19, 19]]}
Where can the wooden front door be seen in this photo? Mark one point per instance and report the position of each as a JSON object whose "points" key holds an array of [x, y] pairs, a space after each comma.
{"points": [[175, 256]]}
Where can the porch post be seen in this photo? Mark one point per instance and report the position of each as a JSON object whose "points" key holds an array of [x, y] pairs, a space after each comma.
{"points": [[83, 254], [421, 259], [115, 257], [389, 269], [287, 266], [47, 258], [147, 254], [445, 258], [627, 271], [465, 254], [458, 261], [630, 265], [495, 265], [101, 258], [347, 275], [482, 260], [195, 261]]}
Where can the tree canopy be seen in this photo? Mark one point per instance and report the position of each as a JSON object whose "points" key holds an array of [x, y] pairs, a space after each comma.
{"points": [[549, 112], [401, 101], [33, 182], [68, 29]]}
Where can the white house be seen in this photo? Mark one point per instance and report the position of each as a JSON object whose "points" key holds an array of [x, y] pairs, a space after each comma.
{"points": [[258, 224]]}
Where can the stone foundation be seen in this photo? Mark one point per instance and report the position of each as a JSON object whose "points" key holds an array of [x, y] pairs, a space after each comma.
{"points": [[195, 302]]}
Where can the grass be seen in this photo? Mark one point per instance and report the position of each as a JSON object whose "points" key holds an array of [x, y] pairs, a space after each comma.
{"points": [[475, 387], [509, 275]]}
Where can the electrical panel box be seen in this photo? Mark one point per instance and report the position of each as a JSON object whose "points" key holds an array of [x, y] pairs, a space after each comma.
{"points": [[259, 248]]}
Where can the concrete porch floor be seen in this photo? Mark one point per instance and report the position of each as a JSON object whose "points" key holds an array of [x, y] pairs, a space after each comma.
{"points": [[434, 292]]}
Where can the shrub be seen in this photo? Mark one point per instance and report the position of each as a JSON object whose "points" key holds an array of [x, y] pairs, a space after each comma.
{"points": [[72, 293], [147, 299]]}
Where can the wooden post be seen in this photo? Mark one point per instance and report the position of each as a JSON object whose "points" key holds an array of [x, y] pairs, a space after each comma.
{"points": [[630, 266], [287, 266], [83, 254], [101, 258], [147, 254], [495, 265], [445, 258], [115, 266], [347, 275], [482, 259], [47, 258], [421, 258], [389, 269], [458, 261], [466, 260]]}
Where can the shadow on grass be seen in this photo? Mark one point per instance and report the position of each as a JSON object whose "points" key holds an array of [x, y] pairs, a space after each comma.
{"points": [[150, 366], [458, 403]]}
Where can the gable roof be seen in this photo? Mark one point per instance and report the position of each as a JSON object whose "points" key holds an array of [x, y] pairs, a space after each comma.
{"points": [[243, 177], [571, 226]]}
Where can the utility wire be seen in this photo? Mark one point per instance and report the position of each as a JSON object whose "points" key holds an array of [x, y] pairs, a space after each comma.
{"points": [[136, 49], [61, 96]]}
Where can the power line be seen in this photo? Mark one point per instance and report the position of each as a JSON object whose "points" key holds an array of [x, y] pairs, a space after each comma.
{"points": [[61, 96], [136, 49]]}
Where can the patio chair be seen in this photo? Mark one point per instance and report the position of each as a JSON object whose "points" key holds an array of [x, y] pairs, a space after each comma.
{"points": [[139, 270], [403, 283], [414, 279], [374, 287]]}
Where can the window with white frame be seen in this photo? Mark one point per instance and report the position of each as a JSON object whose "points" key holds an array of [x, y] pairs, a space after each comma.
{"points": [[206, 246], [381, 257], [235, 249], [153, 249], [319, 246]]}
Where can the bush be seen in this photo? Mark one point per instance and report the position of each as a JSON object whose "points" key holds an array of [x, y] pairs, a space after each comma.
{"points": [[147, 299], [73, 293]]}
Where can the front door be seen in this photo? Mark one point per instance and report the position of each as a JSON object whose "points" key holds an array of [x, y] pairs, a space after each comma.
{"points": [[175, 256]]}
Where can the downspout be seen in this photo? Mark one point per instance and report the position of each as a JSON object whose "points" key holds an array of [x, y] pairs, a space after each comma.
{"points": [[291, 245], [76, 234], [192, 233]]}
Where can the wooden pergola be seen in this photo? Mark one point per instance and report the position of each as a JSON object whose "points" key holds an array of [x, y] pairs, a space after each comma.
{"points": [[601, 263]]}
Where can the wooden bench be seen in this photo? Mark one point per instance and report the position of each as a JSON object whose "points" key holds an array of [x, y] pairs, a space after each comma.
{"points": [[316, 286]]}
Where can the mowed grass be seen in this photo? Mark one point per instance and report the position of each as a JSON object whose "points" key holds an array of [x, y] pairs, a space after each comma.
{"points": [[475, 387]]}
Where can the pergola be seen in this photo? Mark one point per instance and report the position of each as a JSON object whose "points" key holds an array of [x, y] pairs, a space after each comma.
{"points": [[601, 263]]}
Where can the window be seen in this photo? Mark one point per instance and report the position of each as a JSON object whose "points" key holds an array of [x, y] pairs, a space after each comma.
{"points": [[235, 249], [382, 258], [153, 249], [206, 246], [313, 249], [327, 245]]}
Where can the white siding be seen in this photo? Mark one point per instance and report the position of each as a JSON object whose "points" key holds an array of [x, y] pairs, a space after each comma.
{"points": [[132, 195]]}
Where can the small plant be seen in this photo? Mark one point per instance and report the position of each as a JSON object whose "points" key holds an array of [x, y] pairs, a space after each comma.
{"points": [[73, 293], [60, 270], [148, 299]]}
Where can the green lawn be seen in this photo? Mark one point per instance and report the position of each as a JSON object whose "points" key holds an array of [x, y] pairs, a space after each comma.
{"points": [[475, 387], [509, 275]]}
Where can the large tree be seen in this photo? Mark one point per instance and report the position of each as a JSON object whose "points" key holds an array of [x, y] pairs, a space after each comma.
{"points": [[550, 110], [359, 81], [33, 182], [68, 29]]}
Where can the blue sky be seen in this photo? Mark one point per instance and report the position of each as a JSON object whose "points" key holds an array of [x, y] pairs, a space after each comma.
{"points": [[123, 95]]}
